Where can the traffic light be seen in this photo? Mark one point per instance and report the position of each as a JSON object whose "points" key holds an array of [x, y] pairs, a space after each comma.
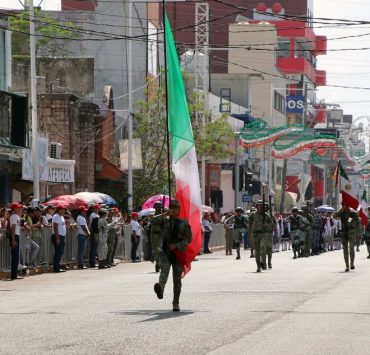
{"points": [[241, 178], [248, 181]]}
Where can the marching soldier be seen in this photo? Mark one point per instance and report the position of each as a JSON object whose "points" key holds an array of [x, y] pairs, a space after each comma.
{"points": [[308, 237], [240, 223], [176, 236], [253, 210], [269, 240], [260, 226], [351, 226], [297, 227]]}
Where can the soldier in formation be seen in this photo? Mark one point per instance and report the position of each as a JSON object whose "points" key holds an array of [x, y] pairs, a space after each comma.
{"points": [[298, 225], [177, 235], [308, 232], [240, 223], [351, 228], [260, 227]]}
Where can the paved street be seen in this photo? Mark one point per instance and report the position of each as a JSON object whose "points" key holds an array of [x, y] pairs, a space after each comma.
{"points": [[304, 306]]}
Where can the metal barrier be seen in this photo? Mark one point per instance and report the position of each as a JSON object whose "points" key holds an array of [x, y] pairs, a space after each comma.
{"points": [[217, 240], [44, 257]]}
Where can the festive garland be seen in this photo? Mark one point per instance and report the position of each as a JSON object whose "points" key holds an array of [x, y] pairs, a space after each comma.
{"points": [[300, 145], [251, 136]]}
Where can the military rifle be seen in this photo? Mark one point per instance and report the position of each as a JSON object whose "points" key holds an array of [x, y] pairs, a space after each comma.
{"points": [[263, 205]]}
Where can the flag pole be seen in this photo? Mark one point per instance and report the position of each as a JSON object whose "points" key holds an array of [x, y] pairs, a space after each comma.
{"points": [[166, 88]]}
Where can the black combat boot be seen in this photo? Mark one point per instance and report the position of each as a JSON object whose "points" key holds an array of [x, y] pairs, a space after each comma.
{"points": [[237, 254], [157, 267], [158, 290], [176, 302], [269, 262], [295, 255]]}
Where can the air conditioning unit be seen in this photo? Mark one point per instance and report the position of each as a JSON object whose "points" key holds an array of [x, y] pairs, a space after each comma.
{"points": [[55, 150]]}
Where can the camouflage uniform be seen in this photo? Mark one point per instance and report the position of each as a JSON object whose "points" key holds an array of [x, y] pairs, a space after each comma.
{"points": [[239, 222], [174, 231], [111, 240], [308, 237], [269, 243], [297, 226], [260, 226], [156, 237], [351, 226]]}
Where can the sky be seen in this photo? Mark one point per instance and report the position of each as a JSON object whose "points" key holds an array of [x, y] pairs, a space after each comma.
{"points": [[344, 68]]}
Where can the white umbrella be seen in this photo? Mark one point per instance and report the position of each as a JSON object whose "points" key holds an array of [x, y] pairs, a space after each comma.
{"points": [[326, 208], [207, 209], [146, 212]]}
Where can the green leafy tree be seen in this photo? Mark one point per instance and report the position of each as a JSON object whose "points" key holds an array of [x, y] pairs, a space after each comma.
{"points": [[50, 34], [150, 125]]}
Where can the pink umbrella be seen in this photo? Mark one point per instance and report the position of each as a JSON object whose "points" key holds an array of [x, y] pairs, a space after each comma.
{"points": [[149, 203], [69, 201]]}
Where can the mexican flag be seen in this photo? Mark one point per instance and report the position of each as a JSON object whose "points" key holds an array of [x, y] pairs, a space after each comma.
{"points": [[363, 208], [184, 159], [346, 188]]}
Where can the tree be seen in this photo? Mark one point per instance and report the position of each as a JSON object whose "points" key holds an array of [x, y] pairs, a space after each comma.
{"points": [[150, 126], [49, 31]]}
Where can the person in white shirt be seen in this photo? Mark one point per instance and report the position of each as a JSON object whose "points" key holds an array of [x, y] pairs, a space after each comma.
{"points": [[58, 237], [15, 231], [83, 234], [135, 235], [207, 230]]}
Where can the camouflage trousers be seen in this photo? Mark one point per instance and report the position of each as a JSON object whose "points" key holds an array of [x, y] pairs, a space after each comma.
{"points": [[111, 242], [259, 242], [298, 238], [157, 241], [102, 247], [168, 259], [348, 243]]}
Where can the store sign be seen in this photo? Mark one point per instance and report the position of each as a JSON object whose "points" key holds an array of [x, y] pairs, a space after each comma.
{"points": [[61, 170], [295, 104], [50, 170]]}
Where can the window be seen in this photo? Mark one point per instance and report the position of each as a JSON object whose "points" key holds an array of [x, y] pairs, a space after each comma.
{"points": [[283, 49], [279, 102]]}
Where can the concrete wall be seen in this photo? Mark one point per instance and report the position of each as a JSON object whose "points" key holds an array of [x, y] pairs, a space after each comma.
{"points": [[71, 123], [261, 62], [110, 19], [56, 75]]}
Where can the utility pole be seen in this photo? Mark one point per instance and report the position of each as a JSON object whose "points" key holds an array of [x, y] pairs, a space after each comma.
{"points": [[129, 80], [33, 92], [201, 48]]}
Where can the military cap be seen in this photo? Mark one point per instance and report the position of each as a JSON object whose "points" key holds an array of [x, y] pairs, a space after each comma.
{"points": [[253, 209], [103, 210], [295, 209], [174, 203], [304, 207], [259, 202], [239, 209], [157, 203]]}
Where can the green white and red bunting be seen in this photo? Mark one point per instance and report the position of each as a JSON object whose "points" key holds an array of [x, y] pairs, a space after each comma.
{"points": [[339, 171], [184, 159], [363, 208]]}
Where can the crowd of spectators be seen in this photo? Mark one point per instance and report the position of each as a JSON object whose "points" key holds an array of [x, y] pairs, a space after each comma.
{"points": [[99, 227]]}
